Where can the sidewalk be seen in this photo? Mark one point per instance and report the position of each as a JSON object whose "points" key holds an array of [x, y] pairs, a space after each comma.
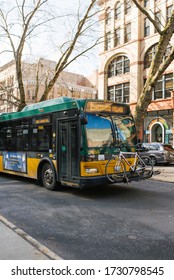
{"points": [[166, 175], [15, 244]]}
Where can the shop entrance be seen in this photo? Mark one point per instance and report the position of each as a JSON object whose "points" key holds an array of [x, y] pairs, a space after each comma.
{"points": [[157, 133]]}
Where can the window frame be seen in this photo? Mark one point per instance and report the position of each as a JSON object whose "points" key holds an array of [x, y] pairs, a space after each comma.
{"points": [[158, 20], [118, 66], [127, 32], [117, 37], [164, 79], [146, 27], [151, 52], [117, 11], [168, 14], [108, 16], [108, 41], [121, 97], [127, 7]]}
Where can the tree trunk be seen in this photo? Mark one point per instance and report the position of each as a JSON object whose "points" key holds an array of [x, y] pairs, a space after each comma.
{"points": [[22, 103]]}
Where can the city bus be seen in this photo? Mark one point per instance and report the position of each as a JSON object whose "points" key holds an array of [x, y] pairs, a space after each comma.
{"points": [[65, 141]]}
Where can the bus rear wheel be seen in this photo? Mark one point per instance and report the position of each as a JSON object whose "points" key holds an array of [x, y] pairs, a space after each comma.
{"points": [[48, 177]]}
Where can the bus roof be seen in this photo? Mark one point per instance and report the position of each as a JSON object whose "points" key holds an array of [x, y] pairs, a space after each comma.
{"points": [[51, 102], [48, 106], [52, 105]]}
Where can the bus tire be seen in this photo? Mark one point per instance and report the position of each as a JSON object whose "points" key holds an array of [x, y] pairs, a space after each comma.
{"points": [[48, 177]]}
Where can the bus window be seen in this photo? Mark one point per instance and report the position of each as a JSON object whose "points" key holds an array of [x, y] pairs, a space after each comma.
{"points": [[2, 138], [22, 138], [41, 138], [7, 139], [126, 130], [98, 130]]}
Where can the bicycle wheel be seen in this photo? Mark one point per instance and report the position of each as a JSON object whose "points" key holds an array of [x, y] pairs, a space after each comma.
{"points": [[115, 169], [144, 166]]}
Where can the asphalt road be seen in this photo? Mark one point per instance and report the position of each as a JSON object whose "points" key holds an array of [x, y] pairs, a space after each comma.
{"points": [[112, 222]]}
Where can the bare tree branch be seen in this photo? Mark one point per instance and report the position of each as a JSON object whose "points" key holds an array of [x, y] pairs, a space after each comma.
{"points": [[63, 61], [144, 11], [28, 21]]}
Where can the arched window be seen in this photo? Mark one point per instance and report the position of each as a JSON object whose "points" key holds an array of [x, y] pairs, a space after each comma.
{"points": [[118, 10], [119, 65], [127, 6], [149, 55], [108, 16]]}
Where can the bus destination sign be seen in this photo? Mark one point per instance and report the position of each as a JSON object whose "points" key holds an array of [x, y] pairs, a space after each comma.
{"points": [[99, 106], [41, 120]]}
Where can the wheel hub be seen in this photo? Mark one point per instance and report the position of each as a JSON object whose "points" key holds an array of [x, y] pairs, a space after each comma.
{"points": [[48, 176]]}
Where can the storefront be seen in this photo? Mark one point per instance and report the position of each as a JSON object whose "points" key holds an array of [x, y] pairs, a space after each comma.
{"points": [[158, 127]]}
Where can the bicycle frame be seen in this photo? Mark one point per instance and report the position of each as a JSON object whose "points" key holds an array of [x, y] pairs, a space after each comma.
{"points": [[136, 157]]}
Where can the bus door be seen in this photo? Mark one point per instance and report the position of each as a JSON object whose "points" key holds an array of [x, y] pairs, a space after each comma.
{"points": [[68, 152]]}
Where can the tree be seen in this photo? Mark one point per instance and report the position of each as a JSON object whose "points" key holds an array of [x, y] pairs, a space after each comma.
{"points": [[28, 21], [158, 64], [66, 59], [26, 15]]}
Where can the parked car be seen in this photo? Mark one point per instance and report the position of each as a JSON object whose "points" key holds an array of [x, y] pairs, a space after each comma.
{"points": [[159, 153]]}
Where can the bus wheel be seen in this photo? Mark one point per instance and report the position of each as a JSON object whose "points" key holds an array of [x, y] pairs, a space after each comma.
{"points": [[48, 177]]}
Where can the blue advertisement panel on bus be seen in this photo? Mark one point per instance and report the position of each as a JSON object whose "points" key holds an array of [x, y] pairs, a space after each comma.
{"points": [[15, 161]]}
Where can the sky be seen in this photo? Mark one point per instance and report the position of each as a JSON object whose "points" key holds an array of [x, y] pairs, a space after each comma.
{"points": [[47, 42]]}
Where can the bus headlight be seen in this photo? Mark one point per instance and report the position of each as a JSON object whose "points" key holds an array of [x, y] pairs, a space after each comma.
{"points": [[91, 170]]}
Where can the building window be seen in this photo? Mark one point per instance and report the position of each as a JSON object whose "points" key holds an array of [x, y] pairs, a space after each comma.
{"points": [[163, 87], [149, 55], [127, 33], [169, 12], [119, 65], [108, 41], [29, 94], [108, 16], [127, 8], [158, 20], [119, 93], [118, 11], [146, 27], [117, 37], [146, 3]]}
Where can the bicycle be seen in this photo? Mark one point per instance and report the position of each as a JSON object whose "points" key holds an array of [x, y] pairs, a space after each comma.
{"points": [[116, 170]]}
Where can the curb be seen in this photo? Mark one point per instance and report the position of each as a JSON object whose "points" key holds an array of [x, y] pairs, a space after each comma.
{"points": [[43, 249]]}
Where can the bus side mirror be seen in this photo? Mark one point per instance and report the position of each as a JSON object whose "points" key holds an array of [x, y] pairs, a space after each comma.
{"points": [[83, 119]]}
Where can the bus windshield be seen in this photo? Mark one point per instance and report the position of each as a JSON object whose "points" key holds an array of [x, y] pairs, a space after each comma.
{"points": [[99, 131], [125, 128], [103, 130]]}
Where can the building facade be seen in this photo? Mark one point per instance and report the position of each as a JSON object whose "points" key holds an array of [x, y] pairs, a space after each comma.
{"points": [[130, 42], [68, 84]]}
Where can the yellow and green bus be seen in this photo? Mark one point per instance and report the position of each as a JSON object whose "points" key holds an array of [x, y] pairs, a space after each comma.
{"points": [[64, 141]]}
